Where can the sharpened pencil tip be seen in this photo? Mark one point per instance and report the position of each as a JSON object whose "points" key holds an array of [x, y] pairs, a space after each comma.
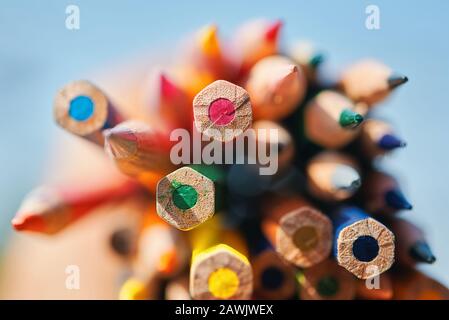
{"points": [[209, 40], [28, 222], [167, 262], [273, 31], [390, 142], [346, 178], [396, 80], [316, 60], [395, 199], [120, 142], [167, 87], [421, 252], [350, 119]]}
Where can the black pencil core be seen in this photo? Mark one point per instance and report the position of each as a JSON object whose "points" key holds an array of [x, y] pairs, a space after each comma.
{"points": [[365, 248]]}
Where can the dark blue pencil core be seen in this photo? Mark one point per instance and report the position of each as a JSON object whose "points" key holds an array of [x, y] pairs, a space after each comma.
{"points": [[365, 248], [81, 108], [272, 278]]}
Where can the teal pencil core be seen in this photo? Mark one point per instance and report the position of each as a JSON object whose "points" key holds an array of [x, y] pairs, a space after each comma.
{"points": [[184, 196], [350, 119], [81, 108], [328, 286]]}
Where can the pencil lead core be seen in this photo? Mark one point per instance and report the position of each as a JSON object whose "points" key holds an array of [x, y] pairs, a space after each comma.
{"points": [[272, 33], [390, 142], [395, 199], [316, 60], [421, 252], [396, 80], [350, 119]]}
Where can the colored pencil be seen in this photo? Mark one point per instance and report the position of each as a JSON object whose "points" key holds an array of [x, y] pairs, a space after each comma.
{"points": [[139, 288], [412, 284], [331, 120], [383, 292], [49, 210], [208, 54], [274, 279], [185, 198], [178, 289], [220, 268], [276, 86], [370, 81], [254, 41], [300, 233], [161, 248], [222, 111], [411, 244], [139, 151], [84, 110], [362, 245], [167, 101], [377, 138], [332, 176], [284, 143], [382, 195], [308, 57], [326, 281]]}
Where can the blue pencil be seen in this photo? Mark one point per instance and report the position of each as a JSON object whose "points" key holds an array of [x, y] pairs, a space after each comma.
{"points": [[362, 245], [84, 110]]}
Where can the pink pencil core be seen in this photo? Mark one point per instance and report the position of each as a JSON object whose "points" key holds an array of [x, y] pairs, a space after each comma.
{"points": [[221, 111]]}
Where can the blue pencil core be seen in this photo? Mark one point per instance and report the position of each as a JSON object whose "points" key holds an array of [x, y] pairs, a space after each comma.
{"points": [[81, 108], [365, 248], [272, 278]]}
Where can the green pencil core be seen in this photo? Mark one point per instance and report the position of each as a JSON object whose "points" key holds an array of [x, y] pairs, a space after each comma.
{"points": [[184, 196], [350, 119], [328, 286]]}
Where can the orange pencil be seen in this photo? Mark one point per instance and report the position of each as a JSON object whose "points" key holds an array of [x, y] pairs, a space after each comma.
{"points": [[49, 210], [207, 54], [276, 86]]}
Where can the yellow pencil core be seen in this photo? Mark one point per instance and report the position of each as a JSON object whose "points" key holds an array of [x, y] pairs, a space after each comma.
{"points": [[133, 289], [223, 283], [305, 238]]}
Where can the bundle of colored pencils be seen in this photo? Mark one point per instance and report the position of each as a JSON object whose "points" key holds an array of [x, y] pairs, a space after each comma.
{"points": [[324, 226]]}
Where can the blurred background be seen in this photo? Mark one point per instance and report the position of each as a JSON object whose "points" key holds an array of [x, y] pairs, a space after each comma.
{"points": [[38, 54]]}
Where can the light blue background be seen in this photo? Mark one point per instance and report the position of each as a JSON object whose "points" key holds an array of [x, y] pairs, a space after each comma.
{"points": [[38, 54]]}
